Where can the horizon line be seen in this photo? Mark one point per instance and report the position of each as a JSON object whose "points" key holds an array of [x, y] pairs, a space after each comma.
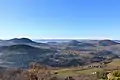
{"points": [[61, 38]]}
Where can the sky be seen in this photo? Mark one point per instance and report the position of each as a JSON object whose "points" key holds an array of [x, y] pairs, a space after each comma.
{"points": [[60, 19]]}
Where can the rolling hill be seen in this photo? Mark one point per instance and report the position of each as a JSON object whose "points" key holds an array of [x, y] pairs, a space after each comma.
{"points": [[107, 43], [20, 52], [22, 55], [21, 41]]}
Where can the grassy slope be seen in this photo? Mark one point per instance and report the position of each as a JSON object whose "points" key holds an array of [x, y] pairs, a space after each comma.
{"points": [[114, 63], [78, 71]]}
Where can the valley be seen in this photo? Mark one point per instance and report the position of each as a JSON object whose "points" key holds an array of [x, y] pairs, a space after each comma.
{"points": [[79, 59]]}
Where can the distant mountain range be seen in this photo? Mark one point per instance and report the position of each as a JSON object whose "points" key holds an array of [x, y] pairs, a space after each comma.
{"points": [[19, 52], [66, 40]]}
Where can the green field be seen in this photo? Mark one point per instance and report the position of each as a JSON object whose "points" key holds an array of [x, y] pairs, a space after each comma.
{"points": [[114, 63], [84, 71], [76, 71]]}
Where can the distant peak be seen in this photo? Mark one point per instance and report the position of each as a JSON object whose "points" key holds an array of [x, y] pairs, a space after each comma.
{"points": [[21, 40], [107, 42], [74, 41]]}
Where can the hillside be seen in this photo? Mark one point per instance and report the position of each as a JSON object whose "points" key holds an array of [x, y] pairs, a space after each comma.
{"points": [[107, 43], [20, 52], [22, 55], [24, 41]]}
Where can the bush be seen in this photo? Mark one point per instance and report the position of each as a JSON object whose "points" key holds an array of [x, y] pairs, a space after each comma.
{"points": [[116, 73], [101, 75]]}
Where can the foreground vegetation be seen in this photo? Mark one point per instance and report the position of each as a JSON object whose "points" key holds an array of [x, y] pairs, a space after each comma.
{"points": [[36, 71]]}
